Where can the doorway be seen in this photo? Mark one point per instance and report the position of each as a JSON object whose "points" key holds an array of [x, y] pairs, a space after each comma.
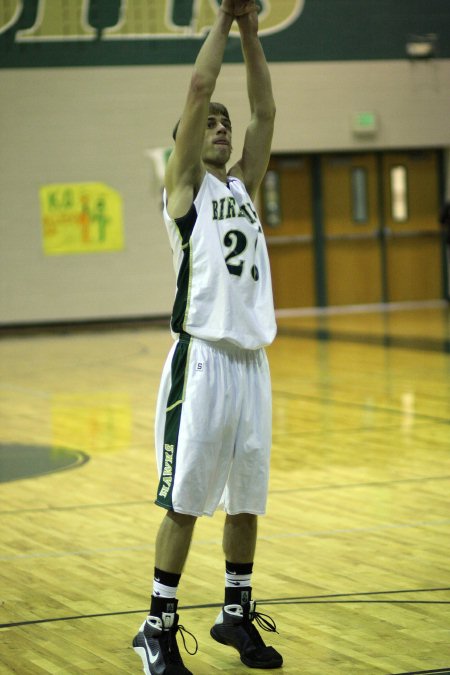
{"points": [[354, 228]]}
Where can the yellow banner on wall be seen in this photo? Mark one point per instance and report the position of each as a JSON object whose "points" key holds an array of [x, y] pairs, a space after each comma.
{"points": [[80, 218]]}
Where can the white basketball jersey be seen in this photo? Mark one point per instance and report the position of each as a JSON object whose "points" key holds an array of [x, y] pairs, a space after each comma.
{"points": [[224, 289]]}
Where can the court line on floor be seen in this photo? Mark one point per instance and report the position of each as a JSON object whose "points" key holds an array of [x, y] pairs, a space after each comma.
{"points": [[359, 406], [150, 502], [408, 425], [438, 671], [335, 598], [368, 484], [208, 542], [354, 530], [413, 343]]}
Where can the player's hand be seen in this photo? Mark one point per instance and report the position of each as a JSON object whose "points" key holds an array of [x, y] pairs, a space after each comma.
{"points": [[227, 6], [243, 7]]}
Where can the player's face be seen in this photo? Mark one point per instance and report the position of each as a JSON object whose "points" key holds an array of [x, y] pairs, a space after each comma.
{"points": [[217, 143]]}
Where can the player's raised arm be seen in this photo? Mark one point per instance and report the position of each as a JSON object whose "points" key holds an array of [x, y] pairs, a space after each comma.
{"points": [[258, 139], [185, 169]]}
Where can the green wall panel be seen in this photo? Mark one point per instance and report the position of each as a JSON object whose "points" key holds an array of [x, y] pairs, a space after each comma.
{"points": [[56, 33]]}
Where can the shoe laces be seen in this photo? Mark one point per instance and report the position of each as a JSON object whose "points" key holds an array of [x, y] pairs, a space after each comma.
{"points": [[183, 631], [172, 653], [264, 621]]}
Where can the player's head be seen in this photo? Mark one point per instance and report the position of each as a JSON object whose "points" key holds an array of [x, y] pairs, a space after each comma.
{"points": [[217, 148], [215, 110], [219, 110]]}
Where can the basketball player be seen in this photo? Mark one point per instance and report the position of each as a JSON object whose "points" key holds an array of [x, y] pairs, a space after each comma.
{"points": [[213, 426]]}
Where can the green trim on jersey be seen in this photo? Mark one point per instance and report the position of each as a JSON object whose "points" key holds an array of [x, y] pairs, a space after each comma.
{"points": [[174, 409], [179, 311], [185, 227]]}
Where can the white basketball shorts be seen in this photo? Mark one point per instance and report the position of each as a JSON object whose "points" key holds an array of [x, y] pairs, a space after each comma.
{"points": [[213, 429]]}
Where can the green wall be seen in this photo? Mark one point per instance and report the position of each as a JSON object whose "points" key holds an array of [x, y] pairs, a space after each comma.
{"points": [[316, 30]]}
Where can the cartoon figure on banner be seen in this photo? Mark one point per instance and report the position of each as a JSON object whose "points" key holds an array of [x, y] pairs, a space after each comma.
{"points": [[79, 218], [96, 215]]}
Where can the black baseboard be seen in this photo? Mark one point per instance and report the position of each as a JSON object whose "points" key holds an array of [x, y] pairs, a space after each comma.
{"points": [[84, 326]]}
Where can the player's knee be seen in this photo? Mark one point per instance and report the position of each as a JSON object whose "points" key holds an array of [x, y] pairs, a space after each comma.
{"points": [[181, 519]]}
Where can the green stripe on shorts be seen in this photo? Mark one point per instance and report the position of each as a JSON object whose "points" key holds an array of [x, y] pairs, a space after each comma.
{"points": [[173, 418]]}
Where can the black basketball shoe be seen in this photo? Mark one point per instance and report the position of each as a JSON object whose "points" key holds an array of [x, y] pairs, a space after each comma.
{"points": [[234, 627], [157, 646]]}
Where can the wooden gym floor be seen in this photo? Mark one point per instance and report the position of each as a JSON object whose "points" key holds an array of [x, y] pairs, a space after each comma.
{"points": [[353, 560]]}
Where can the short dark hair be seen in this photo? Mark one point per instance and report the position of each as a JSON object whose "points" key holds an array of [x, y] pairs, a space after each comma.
{"points": [[214, 109]]}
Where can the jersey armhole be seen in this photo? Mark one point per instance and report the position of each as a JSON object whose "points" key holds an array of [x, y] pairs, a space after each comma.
{"points": [[186, 223]]}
